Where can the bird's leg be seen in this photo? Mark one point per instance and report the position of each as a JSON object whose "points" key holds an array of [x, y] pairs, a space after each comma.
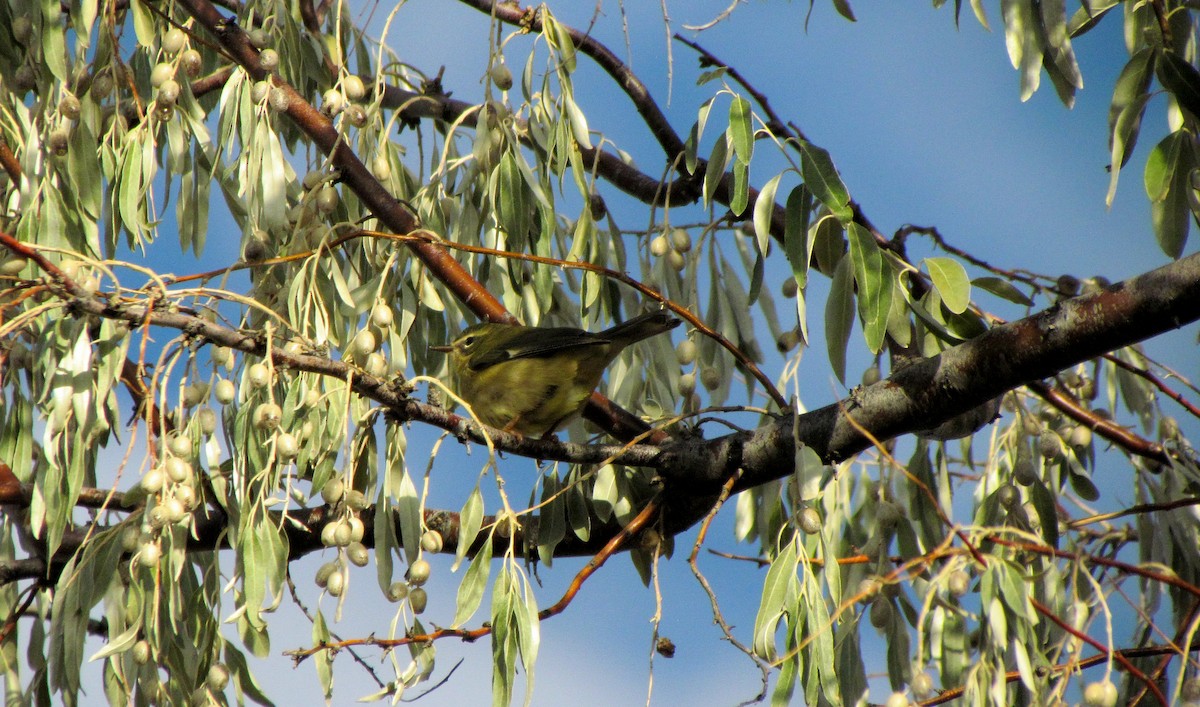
{"points": [[511, 427], [552, 431]]}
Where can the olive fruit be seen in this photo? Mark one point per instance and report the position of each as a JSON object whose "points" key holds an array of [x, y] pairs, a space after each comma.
{"points": [[161, 73], [501, 76], [333, 490], [1100, 694], [681, 240], [173, 40], [268, 59], [431, 541], [418, 572], [354, 88], [217, 678], [418, 600], [659, 246]]}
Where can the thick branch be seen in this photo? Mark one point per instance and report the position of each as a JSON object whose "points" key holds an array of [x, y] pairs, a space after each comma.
{"points": [[959, 379]]}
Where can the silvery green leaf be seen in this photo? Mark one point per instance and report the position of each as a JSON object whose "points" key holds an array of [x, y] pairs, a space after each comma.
{"points": [[741, 130], [473, 585], [470, 519], [839, 317], [950, 278]]}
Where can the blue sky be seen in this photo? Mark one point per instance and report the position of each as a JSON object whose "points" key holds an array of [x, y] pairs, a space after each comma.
{"points": [[925, 125]]}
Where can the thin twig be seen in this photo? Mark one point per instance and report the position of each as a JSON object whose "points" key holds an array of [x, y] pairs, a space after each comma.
{"points": [[304, 610], [718, 617], [614, 545], [1117, 656]]}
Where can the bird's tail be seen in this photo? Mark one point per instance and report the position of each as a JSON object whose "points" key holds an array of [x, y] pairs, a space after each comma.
{"points": [[640, 327]]}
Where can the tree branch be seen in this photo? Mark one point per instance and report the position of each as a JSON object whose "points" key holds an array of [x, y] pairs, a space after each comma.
{"points": [[963, 377]]}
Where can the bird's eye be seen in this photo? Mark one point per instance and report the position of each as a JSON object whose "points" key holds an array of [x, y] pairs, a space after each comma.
{"points": [[469, 341]]}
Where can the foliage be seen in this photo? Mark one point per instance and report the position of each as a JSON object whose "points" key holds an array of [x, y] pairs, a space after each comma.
{"points": [[172, 442]]}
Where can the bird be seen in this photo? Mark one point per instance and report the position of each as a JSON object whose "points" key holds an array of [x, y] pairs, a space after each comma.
{"points": [[532, 380]]}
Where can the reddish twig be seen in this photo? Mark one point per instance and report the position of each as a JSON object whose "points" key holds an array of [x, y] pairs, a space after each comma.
{"points": [[1185, 627], [929, 494], [954, 693], [1135, 570], [614, 545], [10, 623], [1115, 655], [9, 162], [1157, 382], [1135, 510], [1124, 438]]}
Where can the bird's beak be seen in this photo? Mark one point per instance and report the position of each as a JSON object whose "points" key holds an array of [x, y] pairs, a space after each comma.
{"points": [[442, 349]]}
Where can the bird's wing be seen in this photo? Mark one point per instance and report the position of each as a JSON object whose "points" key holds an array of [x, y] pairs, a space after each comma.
{"points": [[537, 343]]}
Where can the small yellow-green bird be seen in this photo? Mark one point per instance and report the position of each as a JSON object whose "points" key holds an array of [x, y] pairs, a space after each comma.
{"points": [[531, 380]]}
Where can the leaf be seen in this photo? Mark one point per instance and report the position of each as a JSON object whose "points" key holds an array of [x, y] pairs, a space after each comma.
{"points": [[1058, 41], [1083, 487], [873, 276], [565, 46], [1125, 113], [796, 244], [839, 317], [143, 24], [778, 594], [470, 519], [715, 169], [408, 507], [119, 643], [129, 199], [980, 14], [1168, 185], [1182, 79], [827, 243], [1046, 506], [744, 518], [577, 513], [474, 582], [243, 678], [530, 634], [930, 319], [764, 209], [741, 130], [274, 179], [1088, 15], [899, 661], [1002, 288], [741, 188], [843, 8], [552, 522], [1024, 46], [697, 132], [821, 177], [851, 675], [53, 49], [950, 278], [899, 324], [320, 636], [504, 640], [1160, 168], [579, 125]]}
